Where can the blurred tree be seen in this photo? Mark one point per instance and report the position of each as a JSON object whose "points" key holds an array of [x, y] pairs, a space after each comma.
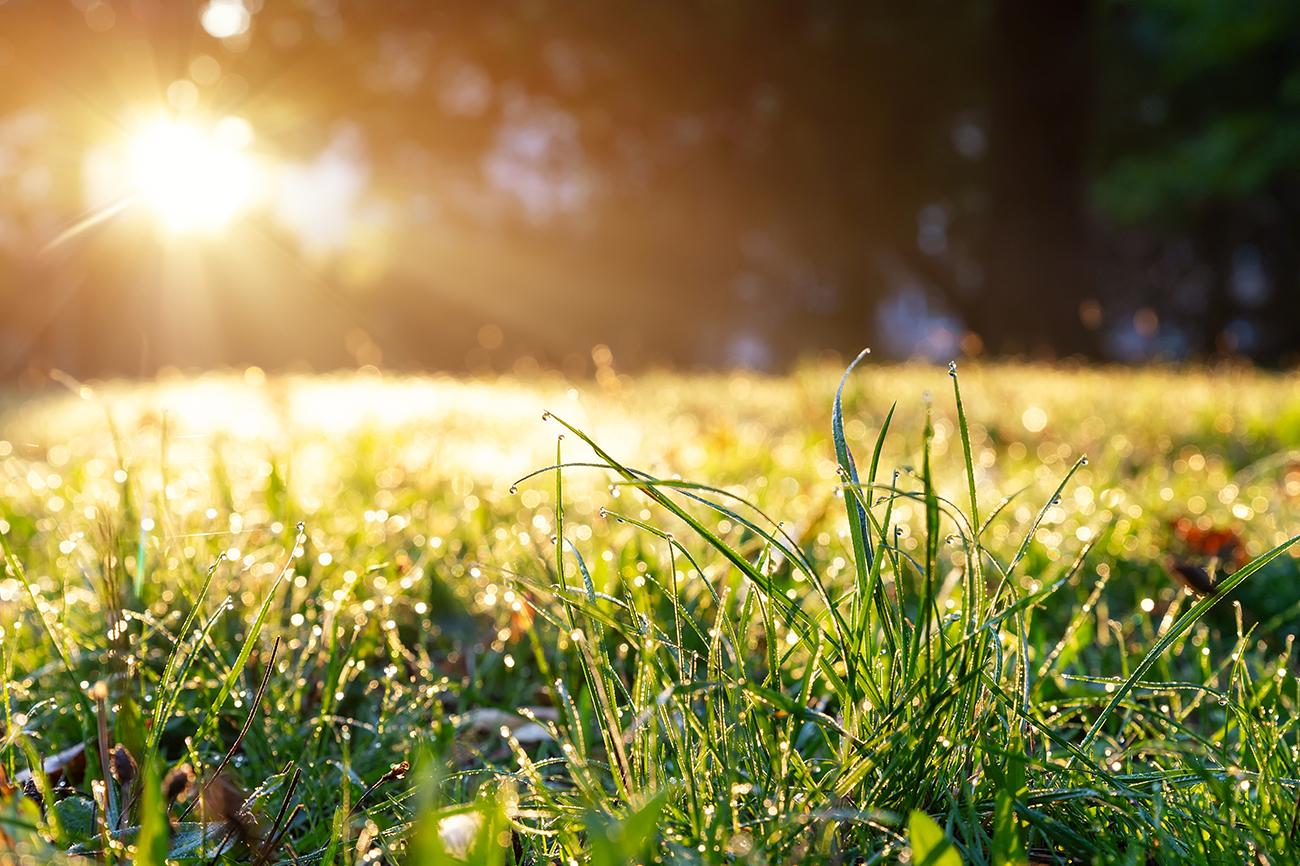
{"points": [[687, 181], [1198, 159], [690, 181], [1038, 258]]}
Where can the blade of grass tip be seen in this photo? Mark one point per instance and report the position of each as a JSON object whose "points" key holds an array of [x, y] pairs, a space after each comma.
{"points": [[254, 631], [974, 570], [862, 553], [1000, 507], [1042, 514], [1177, 629], [582, 569]]}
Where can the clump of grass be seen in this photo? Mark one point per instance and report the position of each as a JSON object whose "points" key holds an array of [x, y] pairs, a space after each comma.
{"points": [[914, 665], [791, 716]]}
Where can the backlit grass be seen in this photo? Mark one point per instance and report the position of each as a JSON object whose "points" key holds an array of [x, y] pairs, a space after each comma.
{"points": [[740, 653]]}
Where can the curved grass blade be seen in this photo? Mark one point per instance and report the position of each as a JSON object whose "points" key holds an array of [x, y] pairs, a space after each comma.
{"points": [[1176, 631], [254, 632], [862, 552], [801, 622], [160, 714]]}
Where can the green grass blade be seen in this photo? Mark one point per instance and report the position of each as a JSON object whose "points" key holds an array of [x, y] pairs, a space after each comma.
{"points": [[929, 845], [254, 631], [862, 553], [1183, 624]]}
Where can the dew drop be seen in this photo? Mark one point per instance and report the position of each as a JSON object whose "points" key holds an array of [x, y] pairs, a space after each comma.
{"points": [[603, 513], [1083, 461], [952, 369], [514, 488], [546, 416]]}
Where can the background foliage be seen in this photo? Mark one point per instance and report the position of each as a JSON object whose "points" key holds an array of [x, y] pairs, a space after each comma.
{"points": [[689, 182]]}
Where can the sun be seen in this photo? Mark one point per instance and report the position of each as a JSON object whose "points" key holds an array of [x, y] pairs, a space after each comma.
{"points": [[194, 178]]}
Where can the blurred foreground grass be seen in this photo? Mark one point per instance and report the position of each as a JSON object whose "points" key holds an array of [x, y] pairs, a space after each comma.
{"points": [[697, 685]]}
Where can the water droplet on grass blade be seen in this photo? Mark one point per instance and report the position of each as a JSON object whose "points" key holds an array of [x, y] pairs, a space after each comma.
{"points": [[514, 488], [952, 369]]}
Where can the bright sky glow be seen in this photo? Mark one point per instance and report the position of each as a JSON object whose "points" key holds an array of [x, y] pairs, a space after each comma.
{"points": [[225, 18], [317, 200], [194, 179]]}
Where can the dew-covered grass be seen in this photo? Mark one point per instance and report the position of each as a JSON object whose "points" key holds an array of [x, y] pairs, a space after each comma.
{"points": [[739, 653]]}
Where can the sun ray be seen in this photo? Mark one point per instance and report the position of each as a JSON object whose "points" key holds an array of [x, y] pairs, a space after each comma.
{"points": [[194, 179], [90, 220]]}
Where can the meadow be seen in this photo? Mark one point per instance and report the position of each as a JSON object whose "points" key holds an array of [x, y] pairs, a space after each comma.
{"points": [[326, 620]]}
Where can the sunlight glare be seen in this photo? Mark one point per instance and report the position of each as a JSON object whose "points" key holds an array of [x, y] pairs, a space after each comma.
{"points": [[194, 179], [225, 18]]}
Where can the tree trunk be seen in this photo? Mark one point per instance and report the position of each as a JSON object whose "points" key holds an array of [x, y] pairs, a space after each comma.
{"points": [[1039, 267]]}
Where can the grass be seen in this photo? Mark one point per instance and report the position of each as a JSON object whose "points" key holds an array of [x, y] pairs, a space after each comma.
{"points": [[920, 628]]}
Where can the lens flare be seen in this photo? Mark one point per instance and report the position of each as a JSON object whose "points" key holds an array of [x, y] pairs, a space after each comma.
{"points": [[194, 179]]}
